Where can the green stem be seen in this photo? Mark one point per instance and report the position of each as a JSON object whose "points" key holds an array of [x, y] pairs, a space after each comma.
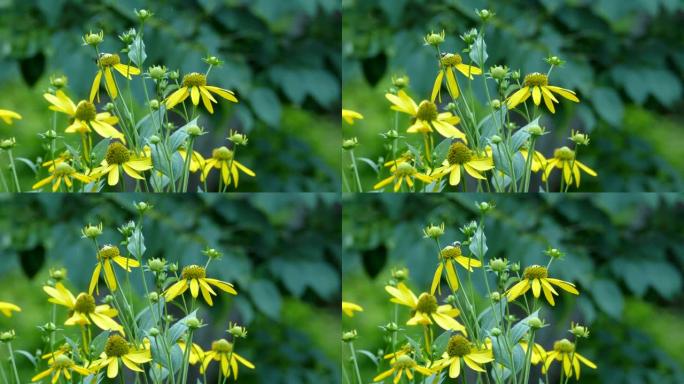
{"points": [[528, 164], [356, 364], [356, 170], [14, 170], [14, 364]]}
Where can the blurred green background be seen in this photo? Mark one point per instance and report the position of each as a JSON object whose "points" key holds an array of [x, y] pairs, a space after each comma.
{"points": [[281, 57], [624, 59], [281, 251], [624, 252]]}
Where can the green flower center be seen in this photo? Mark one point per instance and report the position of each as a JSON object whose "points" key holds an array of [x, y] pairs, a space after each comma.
{"points": [[536, 79], [426, 303], [108, 252], [427, 111], [535, 272], [404, 169], [458, 346], [564, 153], [117, 153], [451, 59], [450, 252], [108, 59], [459, 154], [85, 111], [564, 346], [193, 272], [222, 153], [85, 303], [62, 361], [194, 80], [63, 169], [404, 362], [222, 346], [116, 346]]}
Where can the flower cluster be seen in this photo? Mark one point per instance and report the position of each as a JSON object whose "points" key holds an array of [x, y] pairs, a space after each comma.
{"points": [[452, 137], [467, 332], [97, 141], [117, 336]]}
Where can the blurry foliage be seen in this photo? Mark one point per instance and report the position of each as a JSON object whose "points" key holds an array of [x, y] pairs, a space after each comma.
{"points": [[281, 251], [619, 53], [280, 57], [622, 250]]}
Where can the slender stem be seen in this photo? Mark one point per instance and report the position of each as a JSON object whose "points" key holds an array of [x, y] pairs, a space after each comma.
{"points": [[14, 170], [528, 164], [356, 170], [14, 364], [356, 364]]}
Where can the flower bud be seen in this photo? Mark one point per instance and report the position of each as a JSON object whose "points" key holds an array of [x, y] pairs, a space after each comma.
{"points": [[236, 330], [142, 207], [92, 231], [109, 107], [515, 75], [400, 82], [173, 267], [495, 296], [128, 36], [213, 61], [58, 274], [154, 139], [350, 144], [195, 131], [58, 81], [451, 107], [7, 336], [484, 206], [173, 75], [536, 130], [50, 134], [8, 144], [109, 299], [496, 139], [238, 138], [157, 72], [496, 104], [156, 265], [498, 265], [193, 323], [49, 327], [495, 331], [93, 39], [153, 297], [469, 37], [499, 72], [434, 231], [143, 14], [515, 267], [349, 336], [554, 61], [154, 104], [154, 331], [579, 138], [554, 253], [392, 327], [579, 331], [400, 274], [434, 39], [212, 253], [535, 323], [485, 14]]}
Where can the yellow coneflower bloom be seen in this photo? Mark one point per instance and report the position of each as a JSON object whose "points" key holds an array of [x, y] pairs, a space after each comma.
{"points": [[405, 349], [196, 352], [117, 159], [7, 116], [195, 278], [117, 350], [222, 351], [426, 116], [61, 365], [403, 172], [538, 352], [105, 256], [461, 157], [538, 160], [425, 308], [406, 157], [107, 62], [403, 365], [85, 116], [448, 256], [349, 116], [83, 309], [448, 63], [459, 348], [537, 85], [196, 161], [223, 159], [62, 172], [537, 278], [564, 159], [564, 352], [349, 308], [195, 86], [7, 308]]}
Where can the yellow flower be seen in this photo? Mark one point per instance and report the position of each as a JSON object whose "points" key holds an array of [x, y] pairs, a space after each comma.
{"points": [[564, 351], [447, 257], [403, 172], [537, 85], [85, 116], [222, 351], [403, 158], [404, 350], [448, 63], [538, 352], [195, 85], [459, 348], [62, 157], [349, 308], [425, 309], [349, 116], [426, 116], [7, 308], [404, 365], [537, 278], [564, 158], [105, 256], [117, 351], [82, 309], [7, 116], [61, 350], [223, 158], [61, 365], [62, 172], [461, 157], [195, 278], [538, 160], [196, 161], [196, 352], [106, 63], [117, 159]]}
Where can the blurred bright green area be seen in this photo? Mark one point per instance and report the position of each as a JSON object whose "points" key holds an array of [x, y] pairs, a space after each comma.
{"points": [[621, 250], [281, 59], [281, 252], [623, 58]]}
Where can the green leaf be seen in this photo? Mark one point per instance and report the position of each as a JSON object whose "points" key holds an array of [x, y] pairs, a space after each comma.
{"points": [[521, 328], [478, 244], [608, 105], [608, 297], [441, 150], [178, 138], [266, 298], [99, 151], [136, 244], [478, 52], [136, 52], [179, 328], [266, 106]]}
